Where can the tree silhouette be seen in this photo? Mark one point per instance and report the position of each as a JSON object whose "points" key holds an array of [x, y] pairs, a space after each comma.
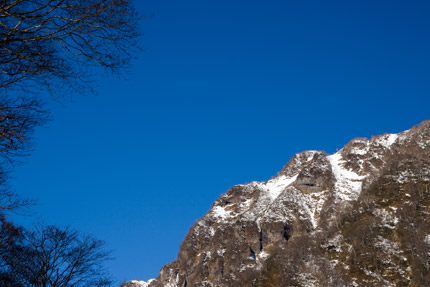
{"points": [[50, 256], [19, 116], [54, 43]]}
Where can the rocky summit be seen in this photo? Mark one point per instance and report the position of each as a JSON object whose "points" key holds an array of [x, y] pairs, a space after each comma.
{"points": [[359, 217]]}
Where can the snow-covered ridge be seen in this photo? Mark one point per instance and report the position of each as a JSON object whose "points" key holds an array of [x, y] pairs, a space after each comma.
{"points": [[374, 146], [284, 187]]}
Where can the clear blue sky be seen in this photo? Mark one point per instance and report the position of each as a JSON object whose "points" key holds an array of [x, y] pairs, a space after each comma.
{"points": [[224, 92]]}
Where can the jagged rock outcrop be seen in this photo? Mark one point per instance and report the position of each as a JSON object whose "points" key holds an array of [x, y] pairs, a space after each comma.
{"points": [[359, 217]]}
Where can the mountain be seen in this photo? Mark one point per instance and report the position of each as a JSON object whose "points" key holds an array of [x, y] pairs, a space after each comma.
{"points": [[359, 217]]}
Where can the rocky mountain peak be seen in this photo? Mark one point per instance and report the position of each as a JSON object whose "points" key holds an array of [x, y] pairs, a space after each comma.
{"points": [[304, 226]]}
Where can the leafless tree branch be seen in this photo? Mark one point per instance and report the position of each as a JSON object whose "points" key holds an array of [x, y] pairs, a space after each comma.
{"points": [[57, 43], [50, 256]]}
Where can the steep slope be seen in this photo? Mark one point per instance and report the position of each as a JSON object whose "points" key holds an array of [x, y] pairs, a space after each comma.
{"points": [[359, 217]]}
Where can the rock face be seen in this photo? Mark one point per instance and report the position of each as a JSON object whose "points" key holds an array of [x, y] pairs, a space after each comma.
{"points": [[137, 283], [359, 217]]}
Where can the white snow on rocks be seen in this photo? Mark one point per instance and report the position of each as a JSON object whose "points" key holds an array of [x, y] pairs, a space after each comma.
{"points": [[311, 205], [220, 212], [276, 185], [274, 193], [263, 255], [270, 191], [142, 283], [348, 183], [388, 218], [363, 146], [387, 140]]}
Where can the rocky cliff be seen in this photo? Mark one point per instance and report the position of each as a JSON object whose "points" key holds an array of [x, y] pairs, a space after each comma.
{"points": [[359, 217]]}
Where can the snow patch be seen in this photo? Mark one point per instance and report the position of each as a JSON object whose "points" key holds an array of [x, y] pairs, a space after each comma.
{"points": [[348, 184], [220, 252], [220, 212], [277, 185], [263, 255], [388, 219], [388, 246], [211, 231], [334, 244], [142, 283], [424, 144], [387, 140], [313, 204]]}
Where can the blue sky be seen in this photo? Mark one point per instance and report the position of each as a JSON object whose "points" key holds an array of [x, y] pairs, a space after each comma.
{"points": [[223, 93]]}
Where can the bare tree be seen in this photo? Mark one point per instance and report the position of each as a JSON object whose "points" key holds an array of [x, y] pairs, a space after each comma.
{"points": [[19, 116], [54, 43], [18, 119], [51, 257], [10, 246]]}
